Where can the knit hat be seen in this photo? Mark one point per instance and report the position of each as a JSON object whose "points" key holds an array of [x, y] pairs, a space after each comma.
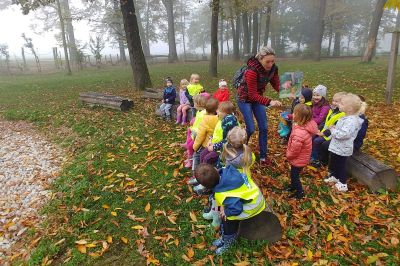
{"points": [[222, 83], [168, 79], [321, 90], [307, 94], [206, 95]]}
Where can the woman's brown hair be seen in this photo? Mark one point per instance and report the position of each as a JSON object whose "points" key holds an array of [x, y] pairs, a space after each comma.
{"points": [[302, 114]]}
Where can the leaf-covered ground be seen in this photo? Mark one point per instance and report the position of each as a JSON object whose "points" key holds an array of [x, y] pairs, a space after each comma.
{"points": [[122, 198]]}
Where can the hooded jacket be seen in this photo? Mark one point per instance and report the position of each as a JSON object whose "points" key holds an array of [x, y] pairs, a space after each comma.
{"points": [[299, 147], [222, 95], [205, 131], [169, 95], [344, 134]]}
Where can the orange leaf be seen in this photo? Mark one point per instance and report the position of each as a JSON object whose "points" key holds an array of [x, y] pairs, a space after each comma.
{"points": [[124, 239], [172, 219], [147, 208], [109, 239], [81, 248], [190, 253]]}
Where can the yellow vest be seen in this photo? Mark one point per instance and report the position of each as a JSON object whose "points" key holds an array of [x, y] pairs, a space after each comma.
{"points": [[331, 120], [308, 104], [252, 194], [199, 117], [218, 134], [194, 89]]}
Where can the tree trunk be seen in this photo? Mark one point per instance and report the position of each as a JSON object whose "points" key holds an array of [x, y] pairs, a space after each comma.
{"points": [[255, 32], [336, 46], [227, 47], [119, 31], [23, 57], [330, 40], [250, 19], [319, 31], [146, 48], [235, 38], [214, 38], [221, 38], [183, 21], [267, 23], [373, 31], [60, 16], [141, 75], [173, 55], [73, 52], [246, 35]]}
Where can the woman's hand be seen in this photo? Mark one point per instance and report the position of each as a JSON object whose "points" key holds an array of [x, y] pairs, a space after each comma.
{"points": [[274, 103]]}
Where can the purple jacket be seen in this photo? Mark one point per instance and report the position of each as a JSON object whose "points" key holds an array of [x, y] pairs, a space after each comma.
{"points": [[319, 113], [182, 97]]}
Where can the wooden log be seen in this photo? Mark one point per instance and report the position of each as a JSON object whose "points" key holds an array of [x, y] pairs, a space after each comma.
{"points": [[106, 100], [264, 226], [371, 172]]}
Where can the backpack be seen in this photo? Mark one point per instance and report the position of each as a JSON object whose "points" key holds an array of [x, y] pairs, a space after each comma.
{"points": [[238, 77]]}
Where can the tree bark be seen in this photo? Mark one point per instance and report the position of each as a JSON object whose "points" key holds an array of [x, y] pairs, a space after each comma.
{"points": [[319, 31], [221, 38], [330, 40], [255, 32], [183, 21], [373, 31], [173, 55], [141, 77], [214, 38], [336, 46], [60, 16], [73, 52], [246, 34], [146, 48], [235, 38], [119, 31]]}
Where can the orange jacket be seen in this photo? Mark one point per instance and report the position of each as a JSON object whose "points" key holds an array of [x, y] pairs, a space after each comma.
{"points": [[299, 147], [205, 131]]}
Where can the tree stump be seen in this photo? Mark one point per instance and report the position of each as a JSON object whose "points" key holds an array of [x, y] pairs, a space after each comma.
{"points": [[371, 172], [264, 226], [106, 100]]}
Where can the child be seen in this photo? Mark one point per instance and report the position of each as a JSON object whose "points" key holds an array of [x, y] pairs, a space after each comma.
{"points": [[168, 99], [226, 122], [239, 198], [199, 103], [222, 94], [358, 142], [184, 104], [320, 106], [334, 114], [299, 146], [194, 88], [342, 142]]}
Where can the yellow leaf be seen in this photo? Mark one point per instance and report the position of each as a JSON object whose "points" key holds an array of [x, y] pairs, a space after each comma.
{"points": [[91, 245], [372, 259], [185, 258], [176, 172], [242, 263], [81, 248], [113, 213], [124, 239], [128, 199], [190, 253], [94, 255], [329, 237], [105, 206], [137, 227], [193, 217], [147, 208], [189, 199], [309, 254], [96, 198], [81, 242], [109, 239], [172, 219], [312, 168]]}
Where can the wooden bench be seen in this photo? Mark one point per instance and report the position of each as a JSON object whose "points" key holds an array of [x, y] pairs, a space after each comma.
{"points": [[106, 100], [371, 172]]}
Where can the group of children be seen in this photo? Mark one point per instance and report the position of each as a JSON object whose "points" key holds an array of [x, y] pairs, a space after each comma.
{"points": [[217, 152]]}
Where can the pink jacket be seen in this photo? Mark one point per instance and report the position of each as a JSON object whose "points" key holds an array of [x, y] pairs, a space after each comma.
{"points": [[299, 147]]}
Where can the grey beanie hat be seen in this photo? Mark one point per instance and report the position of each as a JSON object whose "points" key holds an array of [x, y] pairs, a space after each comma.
{"points": [[321, 90]]}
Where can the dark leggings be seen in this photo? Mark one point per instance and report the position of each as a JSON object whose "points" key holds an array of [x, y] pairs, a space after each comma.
{"points": [[337, 167], [295, 178], [230, 226]]}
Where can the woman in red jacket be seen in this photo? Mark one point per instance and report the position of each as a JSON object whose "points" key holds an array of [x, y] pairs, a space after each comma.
{"points": [[299, 147], [261, 70]]}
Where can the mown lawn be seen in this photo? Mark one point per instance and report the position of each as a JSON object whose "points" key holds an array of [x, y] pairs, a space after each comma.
{"points": [[122, 199]]}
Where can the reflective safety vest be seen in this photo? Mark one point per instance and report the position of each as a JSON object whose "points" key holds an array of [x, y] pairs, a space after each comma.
{"points": [[250, 193], [194, 89], [199, 117], [330, 120], [308, 104], [218, 134]]}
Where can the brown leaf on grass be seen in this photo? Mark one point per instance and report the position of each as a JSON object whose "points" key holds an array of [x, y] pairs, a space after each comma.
{"points": [[241, 263], [190, 253], [172, 219], [81, 248], [147, 208], [109, 239], [184, 257], [193, 217], [189, 199], [124, 239]]}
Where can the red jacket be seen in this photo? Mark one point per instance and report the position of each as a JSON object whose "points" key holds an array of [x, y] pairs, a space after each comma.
{"points": [[222, 96], [255, 88], [299, 147]]}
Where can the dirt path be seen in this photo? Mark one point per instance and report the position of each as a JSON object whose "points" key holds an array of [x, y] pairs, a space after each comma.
{"points": [[28, 164]]}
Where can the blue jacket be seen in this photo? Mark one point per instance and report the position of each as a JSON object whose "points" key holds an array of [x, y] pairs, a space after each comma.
{"points": [[231, 178], [358, 142], [227, 123], [169, 95]]}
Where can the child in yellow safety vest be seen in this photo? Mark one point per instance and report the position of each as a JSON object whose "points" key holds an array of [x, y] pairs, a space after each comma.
{"points": [[331, 119]]}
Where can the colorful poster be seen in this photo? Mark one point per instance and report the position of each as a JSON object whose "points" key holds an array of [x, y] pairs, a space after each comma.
{"points": [[290, 84]]}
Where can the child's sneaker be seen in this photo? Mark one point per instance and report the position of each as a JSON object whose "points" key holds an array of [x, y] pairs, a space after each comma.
{"points": [[341, 187], [331, 179]]}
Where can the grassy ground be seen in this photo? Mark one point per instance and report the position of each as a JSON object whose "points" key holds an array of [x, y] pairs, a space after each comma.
{"points": [[122, 197]]}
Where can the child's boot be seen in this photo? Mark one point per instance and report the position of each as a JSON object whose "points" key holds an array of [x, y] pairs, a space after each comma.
{"points": [[178, 118], [280, 128], [220, 241], [183, 120], [216, 219], [228, 241], [285, 131]]}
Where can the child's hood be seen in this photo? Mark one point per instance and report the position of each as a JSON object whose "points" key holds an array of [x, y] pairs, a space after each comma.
{"points": [[230, 179], [311, 127]]}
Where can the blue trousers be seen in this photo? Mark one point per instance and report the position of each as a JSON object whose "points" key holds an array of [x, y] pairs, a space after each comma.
{"points": [[258, 110], [295, 178]]}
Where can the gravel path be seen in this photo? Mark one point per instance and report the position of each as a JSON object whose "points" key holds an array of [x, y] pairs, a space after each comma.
{"points": [[28, 164]]}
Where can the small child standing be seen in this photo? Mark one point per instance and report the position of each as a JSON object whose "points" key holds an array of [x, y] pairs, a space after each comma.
{"points": [[222, 94], [168, 99], [320, 106], [342, 142], [194, 88], [299, 146], [184, 104]]}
